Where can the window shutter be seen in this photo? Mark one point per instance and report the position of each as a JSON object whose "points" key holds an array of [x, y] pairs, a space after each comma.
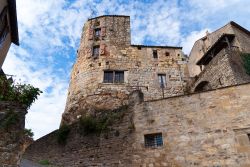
{"points": [[88, 52], [102, 49], [103, 31], [91, 33]]}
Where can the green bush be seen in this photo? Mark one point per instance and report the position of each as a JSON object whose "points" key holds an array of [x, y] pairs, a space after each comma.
{"points": [[44, 162], [98, 124], [62, 134], [23, 93], [246, 62], [28, 132]]}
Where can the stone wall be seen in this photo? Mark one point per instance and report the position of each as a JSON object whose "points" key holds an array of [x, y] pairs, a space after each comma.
{"points": [[205, 129], [109, 149], [116, 53], [12, 121]]}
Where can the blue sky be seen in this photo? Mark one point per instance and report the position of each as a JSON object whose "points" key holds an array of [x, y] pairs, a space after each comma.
{"points": [[50, 31]]}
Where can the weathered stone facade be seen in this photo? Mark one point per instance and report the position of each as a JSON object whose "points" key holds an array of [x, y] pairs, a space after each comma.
{"points": [[205, 129], [219, 53], [169, 127], [12, 133], [141, 69]]}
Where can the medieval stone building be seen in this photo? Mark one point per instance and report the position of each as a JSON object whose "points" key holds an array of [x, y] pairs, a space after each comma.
{"points": [[108, 68], [167, 116]]}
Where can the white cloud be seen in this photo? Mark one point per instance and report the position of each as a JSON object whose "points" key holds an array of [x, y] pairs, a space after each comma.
{"points": [[189, 41]]}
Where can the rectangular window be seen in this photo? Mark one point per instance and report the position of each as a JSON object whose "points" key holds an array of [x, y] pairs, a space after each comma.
{"points": [[108, 77], [96, 51], [155, 54], [113, 77], [119, 76], [162, 80], [97, 32], [153, 140]]}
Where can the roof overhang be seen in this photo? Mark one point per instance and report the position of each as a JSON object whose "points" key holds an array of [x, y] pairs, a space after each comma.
{"points": [[13, 21], [215, 48]]}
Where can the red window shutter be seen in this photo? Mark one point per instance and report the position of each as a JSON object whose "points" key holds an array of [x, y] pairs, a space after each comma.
{"points": [[103, 31], [91, 33], [102, 49]]}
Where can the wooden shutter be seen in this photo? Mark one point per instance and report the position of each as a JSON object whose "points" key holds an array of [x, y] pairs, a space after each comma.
{"points": [[91, 33], [103, 31], [102, 49]]}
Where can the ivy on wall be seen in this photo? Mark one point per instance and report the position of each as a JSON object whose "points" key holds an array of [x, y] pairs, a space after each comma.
{"points": [[246, 62], [22, 93]]}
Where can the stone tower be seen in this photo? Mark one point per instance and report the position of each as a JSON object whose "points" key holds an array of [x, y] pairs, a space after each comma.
{"points": [[108, 68]]}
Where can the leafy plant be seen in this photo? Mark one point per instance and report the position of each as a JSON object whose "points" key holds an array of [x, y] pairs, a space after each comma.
{"points": [[98, 124], [28, 132], [23, 93], [246, 61], [44, 162], [62, 134]]}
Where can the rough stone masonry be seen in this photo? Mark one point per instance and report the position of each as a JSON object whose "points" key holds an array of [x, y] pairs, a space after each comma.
{"points": [[173, 119]]}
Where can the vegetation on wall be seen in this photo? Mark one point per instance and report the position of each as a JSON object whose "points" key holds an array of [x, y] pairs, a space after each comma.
{"points": [[246, 61], [62, 134], [22, 93], [28, 133], [100, 122]]}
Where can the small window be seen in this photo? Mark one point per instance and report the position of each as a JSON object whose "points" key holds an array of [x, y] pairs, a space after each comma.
{"points": [[153, 140], [162, 80], [113, 77], [96, 51], [108, 77], [155, 54], [119, 76], [97, 32], [248, 135], [167, 54]]}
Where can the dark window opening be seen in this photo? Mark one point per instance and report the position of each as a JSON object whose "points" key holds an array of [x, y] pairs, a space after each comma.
{"points": [[139, 47], [162, 80], [153, 140], [248, 135], [155, 54], [119, 76], [108, 77], [97, 32], [167, 53], [113, 77], [96, 51]]}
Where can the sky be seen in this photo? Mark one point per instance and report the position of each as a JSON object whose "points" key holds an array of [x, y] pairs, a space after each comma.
{"points": [[50, 31]]}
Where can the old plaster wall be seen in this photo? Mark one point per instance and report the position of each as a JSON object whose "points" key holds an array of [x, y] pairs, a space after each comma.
{"points": [[116, 53], [11, 140], [206, 129]]}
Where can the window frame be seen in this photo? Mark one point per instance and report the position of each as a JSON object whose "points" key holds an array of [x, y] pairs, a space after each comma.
{"points": [[155, 54], [154, 140], [162, 80], [116, 79], [96, 54], [97, 35]]}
